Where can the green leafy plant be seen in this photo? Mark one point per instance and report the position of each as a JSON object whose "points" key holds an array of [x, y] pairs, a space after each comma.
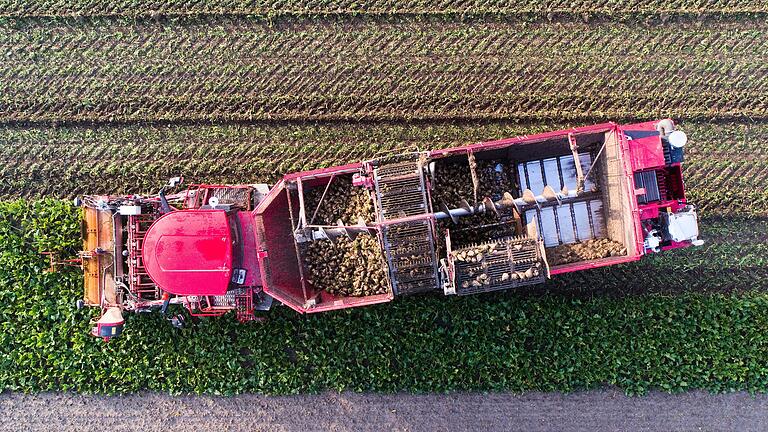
{"points": [[561, 337], [243, 69]]}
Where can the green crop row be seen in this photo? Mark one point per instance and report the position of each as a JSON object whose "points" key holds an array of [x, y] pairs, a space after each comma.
{"points": [[553, 338], [247, 69], [132, 8], [724, 161]]}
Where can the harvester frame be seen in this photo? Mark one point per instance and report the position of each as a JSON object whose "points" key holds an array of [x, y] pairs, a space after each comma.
{"points": [[214, 248]]}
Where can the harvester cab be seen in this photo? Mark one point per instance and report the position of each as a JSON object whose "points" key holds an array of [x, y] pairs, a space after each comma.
{"points": [[656, 154]]}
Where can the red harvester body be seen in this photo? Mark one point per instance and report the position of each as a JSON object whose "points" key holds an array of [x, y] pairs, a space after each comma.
{"points": [[533, 205]]}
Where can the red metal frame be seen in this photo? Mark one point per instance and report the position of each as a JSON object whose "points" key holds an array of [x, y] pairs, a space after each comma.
{"points": [[244, 307], [630, 162], [568, 133], [277, 265], [196, 308], [197, 202], [201, 236], [327, 301], [525, 139], [139, 282]]}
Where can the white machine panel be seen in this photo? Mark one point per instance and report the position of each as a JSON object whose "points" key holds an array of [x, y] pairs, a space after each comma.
{"points": [[683, 226], [129, 210]]}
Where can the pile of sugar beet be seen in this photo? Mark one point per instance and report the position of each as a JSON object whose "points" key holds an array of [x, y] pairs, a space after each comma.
{"points": [[342, 202], [475, 268], [344, 266], [584, 251]]}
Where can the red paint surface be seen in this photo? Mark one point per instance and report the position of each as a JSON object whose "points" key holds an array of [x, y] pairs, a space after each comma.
{"points": [[646, 153], [250, 249], [189, 252], [280, 275]]}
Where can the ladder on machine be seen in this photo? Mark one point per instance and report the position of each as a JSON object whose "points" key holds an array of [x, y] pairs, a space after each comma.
{"points": [[140, 283]]}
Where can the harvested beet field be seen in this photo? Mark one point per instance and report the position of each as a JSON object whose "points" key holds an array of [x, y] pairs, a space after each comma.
{"points": [[214, 68]]}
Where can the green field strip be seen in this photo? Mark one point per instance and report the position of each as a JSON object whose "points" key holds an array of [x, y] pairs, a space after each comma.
{"points": [[558, 338], [58, 8]]}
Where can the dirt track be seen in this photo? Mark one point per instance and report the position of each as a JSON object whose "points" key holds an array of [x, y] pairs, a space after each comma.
{"points": [[597, 410]]}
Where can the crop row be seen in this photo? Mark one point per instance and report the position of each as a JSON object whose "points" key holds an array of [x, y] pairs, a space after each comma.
{"points": [[725, 162], [504, 341], [244, 70], [57, 8]]}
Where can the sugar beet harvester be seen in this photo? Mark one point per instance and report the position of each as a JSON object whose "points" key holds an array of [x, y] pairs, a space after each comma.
{"points": [[484, 217]]}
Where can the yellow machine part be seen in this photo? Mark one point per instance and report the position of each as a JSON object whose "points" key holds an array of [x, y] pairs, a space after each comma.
{"points": [[98, 233]]}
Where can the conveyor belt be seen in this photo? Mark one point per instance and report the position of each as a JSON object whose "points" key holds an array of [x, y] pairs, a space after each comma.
{"points": [[409, 246], [513, 262], [410, 252], [400, 189]]}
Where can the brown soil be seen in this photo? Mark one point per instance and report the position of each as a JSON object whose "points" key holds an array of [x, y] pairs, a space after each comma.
{"points": [[583, 411]]}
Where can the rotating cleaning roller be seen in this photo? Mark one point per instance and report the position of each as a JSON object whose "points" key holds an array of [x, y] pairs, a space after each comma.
{"points": [[528, 199], [548, 194], [466, 209]]}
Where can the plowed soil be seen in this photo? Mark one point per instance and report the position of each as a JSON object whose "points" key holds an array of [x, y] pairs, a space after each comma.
{"points": [[586, 411]]}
